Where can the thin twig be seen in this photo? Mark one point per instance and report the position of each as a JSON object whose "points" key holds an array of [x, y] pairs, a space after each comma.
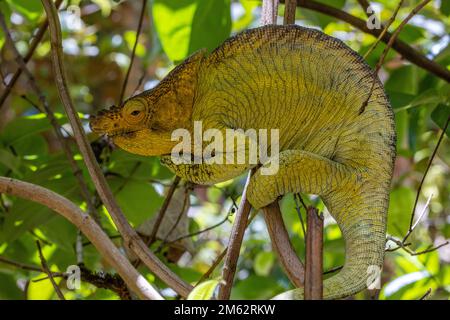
{"points": [[397, 32], [213, 266], [220, 257], [203, 230], [27, 267], [314, 255], [48, 272], [419, 189], [332, 270], [298, 198], [34, 44], [131, 238], [183, 211], [425, 296], [385, 29], [404, 246], [387, 48], [133, 53], [56, 126], [364, 5], [234, 244], [163, 210]]}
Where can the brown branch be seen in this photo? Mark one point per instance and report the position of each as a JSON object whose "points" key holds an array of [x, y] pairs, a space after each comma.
{"points": [[401, 47], [131, 238], [290, 7], [48, 272], [404, 246], [234, 244], [202, 231], [397, 31], [34, 43], [269, 12], [281, 244], [87, 225], [101, 280], [133, 53], [314, 255], [163, 210], [220, 256], [27, 267], [411, 222], [297, 198], [54, 123]]}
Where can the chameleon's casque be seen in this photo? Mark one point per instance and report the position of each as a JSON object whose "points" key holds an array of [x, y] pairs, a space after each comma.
{"points": [[336, 141]]}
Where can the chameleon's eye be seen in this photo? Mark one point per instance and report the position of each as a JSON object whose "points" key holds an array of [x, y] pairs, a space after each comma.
{"points": [[134, 111]]}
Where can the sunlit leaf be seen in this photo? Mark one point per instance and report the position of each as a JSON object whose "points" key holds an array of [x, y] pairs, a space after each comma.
{"points": [[203, 291], [185, 26], [263, 263]]}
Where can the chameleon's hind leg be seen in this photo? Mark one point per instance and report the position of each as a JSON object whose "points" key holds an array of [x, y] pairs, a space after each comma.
{"points": [[357, 204]]}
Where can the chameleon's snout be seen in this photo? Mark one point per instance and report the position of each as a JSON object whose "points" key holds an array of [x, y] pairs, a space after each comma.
{"points": [[106, 121]]}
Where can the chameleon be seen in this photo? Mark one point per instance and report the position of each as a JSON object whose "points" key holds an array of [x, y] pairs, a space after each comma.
{"points": [[336, 131]]}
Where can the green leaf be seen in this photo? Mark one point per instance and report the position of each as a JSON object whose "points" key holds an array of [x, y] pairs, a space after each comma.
{"points": [[23, 127], [247, 18], [10, 161], [31, 9], [185, 26], [41, 290], [440, 116], [404, 79], [445, 8], [411, 33], [10, 290], [400, 207], [203, 291], [256, 287], [60, 232], [263, 263], [26, 215], [321, 19], [138, 199]]}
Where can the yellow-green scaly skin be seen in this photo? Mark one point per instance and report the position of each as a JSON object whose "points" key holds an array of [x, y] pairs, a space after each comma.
{"points": [[314, 89]]}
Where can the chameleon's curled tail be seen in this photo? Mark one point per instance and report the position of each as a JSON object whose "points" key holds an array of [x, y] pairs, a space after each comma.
{"points": [[362, 221]]}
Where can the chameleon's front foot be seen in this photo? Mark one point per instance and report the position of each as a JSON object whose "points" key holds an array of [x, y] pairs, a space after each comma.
{"points": [[204, 173]]}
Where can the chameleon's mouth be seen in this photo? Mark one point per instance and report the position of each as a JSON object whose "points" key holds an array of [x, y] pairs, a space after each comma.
{"points": [[122, 133]]}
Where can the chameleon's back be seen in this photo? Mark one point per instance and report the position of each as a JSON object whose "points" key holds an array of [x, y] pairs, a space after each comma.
{"points": [[315, 90]]}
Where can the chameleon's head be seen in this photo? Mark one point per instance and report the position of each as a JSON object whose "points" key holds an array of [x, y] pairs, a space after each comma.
{"points": [[133, 128]]}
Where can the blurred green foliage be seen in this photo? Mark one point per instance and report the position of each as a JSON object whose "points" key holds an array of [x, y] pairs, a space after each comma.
{"points": [[97, 49]]}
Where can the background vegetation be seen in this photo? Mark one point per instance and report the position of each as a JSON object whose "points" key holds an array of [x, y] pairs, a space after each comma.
{"points": [[97, 50]]}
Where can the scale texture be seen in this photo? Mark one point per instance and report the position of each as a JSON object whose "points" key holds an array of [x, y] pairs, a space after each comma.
{"points": [[334, 140]]}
